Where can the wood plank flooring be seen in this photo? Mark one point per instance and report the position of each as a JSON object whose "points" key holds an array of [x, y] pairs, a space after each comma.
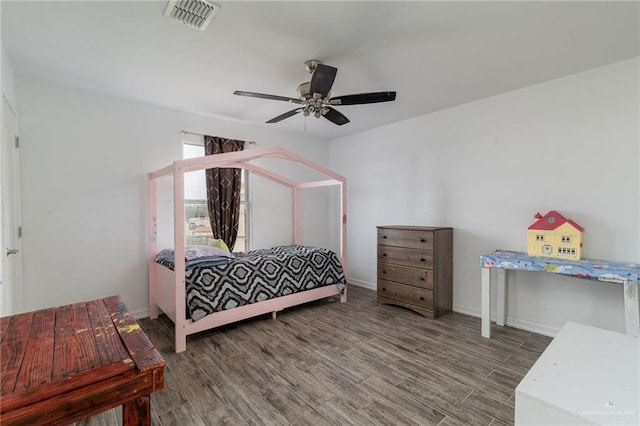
{"points": [[329, 363]]}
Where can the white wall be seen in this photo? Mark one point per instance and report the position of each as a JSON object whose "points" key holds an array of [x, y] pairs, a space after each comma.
{"points": [[10, 268], [85, 157], [8, 78], [485, 168]]}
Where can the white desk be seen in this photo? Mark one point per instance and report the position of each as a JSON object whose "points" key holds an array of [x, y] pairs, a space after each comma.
{"points": [[585, 376], [627, 274]]}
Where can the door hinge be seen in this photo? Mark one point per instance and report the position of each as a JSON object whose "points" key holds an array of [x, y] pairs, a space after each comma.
{"points": [[17, 141], [19, 231]]}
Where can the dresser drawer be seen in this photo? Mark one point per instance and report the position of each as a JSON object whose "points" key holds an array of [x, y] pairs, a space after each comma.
{"points": [[405, 256], [405, 293], [406, 275], [405, 238]]}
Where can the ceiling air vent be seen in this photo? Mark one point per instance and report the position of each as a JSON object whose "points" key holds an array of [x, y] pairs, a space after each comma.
{"points": [[195, 13]]}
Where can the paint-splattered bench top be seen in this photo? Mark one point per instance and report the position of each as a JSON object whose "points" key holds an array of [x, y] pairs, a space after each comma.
{"points": [[601, 270], [59, 365]]}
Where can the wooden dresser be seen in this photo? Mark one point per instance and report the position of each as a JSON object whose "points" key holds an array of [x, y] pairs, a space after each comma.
{"points": [[415, 268]]}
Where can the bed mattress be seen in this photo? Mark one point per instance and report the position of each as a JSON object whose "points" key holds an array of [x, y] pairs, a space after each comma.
{"points": [[257, 275]]}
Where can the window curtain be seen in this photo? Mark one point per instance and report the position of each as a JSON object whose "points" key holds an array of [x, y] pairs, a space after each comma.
{"points": [[223, 191]]}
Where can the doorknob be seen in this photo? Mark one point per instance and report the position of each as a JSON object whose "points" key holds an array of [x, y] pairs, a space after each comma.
{"points": [[11, 251]]}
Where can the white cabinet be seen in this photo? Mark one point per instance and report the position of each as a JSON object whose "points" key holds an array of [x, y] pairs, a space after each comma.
{"points": [[586, 376]]}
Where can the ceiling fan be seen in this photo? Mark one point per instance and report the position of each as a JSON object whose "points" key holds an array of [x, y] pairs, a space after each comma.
{"points": [[314, 97]]}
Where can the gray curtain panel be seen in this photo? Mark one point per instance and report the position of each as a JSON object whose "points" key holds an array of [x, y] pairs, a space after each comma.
{"points": [[223, 191]]}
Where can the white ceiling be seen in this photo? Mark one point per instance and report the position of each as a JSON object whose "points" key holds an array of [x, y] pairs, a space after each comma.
{"points": [[434, 54]]}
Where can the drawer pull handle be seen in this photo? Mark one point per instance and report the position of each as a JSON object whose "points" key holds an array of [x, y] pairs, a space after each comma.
{"points": [[384, 272], [422, 259], [384, 289], [421, 278], [421, 298], [384, 237], [422, 240], [384, 254]]}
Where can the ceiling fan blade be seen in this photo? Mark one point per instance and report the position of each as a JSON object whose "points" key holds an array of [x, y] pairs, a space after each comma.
{"points": [[363, 98], [270, 97], [336, 117], [322, 79], [285, 115]]}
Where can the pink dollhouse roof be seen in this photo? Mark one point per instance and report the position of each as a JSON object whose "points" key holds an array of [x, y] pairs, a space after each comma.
{"points": [[551, 221]]}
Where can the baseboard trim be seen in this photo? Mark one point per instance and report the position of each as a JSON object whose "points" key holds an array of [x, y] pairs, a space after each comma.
{"points": [[510, 321], [141, 313], [358, 283]]}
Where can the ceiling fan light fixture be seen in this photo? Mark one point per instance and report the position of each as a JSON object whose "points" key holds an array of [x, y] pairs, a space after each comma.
{"points": [[194, 13]]}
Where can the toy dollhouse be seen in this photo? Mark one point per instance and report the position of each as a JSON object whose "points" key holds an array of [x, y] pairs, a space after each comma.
{"points": [[553, 235]]}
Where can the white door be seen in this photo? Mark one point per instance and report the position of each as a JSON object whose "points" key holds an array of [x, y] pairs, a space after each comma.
{"points": [[10, 238]]}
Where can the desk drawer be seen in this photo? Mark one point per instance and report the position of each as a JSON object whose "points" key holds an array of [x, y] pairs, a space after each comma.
{"points": [[405, 256], [417, 277], [405, 293], [405, 238]]}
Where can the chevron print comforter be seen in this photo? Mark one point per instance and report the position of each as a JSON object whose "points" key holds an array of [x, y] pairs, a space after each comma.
{"points": [[260, 275]]}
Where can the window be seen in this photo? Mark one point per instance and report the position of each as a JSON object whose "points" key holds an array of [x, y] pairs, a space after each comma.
{"points": [[566, 239], [539, 237], [567, 251], [197, 226]]}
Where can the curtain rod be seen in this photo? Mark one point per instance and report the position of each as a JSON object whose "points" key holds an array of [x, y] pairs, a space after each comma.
{"points": [[185, 132]]}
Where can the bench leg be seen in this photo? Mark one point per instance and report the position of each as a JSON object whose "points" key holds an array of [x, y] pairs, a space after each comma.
{"points": [[486, 302], [137, 412], [631, 309]]}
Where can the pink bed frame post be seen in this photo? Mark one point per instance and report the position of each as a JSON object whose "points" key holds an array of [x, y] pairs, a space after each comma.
{"points": [[296, 215], [179, 261], [153, 247], [343, 232]]}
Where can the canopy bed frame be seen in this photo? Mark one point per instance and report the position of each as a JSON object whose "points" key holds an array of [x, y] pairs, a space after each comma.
{"points": [[167, 288]]}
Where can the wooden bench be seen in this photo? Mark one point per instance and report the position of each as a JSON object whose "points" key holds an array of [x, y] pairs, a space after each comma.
{"points": [[60, 365]]}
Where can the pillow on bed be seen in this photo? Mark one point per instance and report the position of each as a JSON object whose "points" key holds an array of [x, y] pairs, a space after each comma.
{"points": [[166, 254], [217, 242], [195, 252], [198, 252]]}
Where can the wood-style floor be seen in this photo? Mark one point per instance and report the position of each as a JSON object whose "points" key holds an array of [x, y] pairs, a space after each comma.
{"points": [[328, 363]]}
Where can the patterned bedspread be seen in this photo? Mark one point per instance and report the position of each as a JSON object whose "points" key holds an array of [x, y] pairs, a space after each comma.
{"points": [[259, 275]]}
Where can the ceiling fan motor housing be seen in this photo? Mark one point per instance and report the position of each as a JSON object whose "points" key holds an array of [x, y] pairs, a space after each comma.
{"points": [[303, 91]]}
